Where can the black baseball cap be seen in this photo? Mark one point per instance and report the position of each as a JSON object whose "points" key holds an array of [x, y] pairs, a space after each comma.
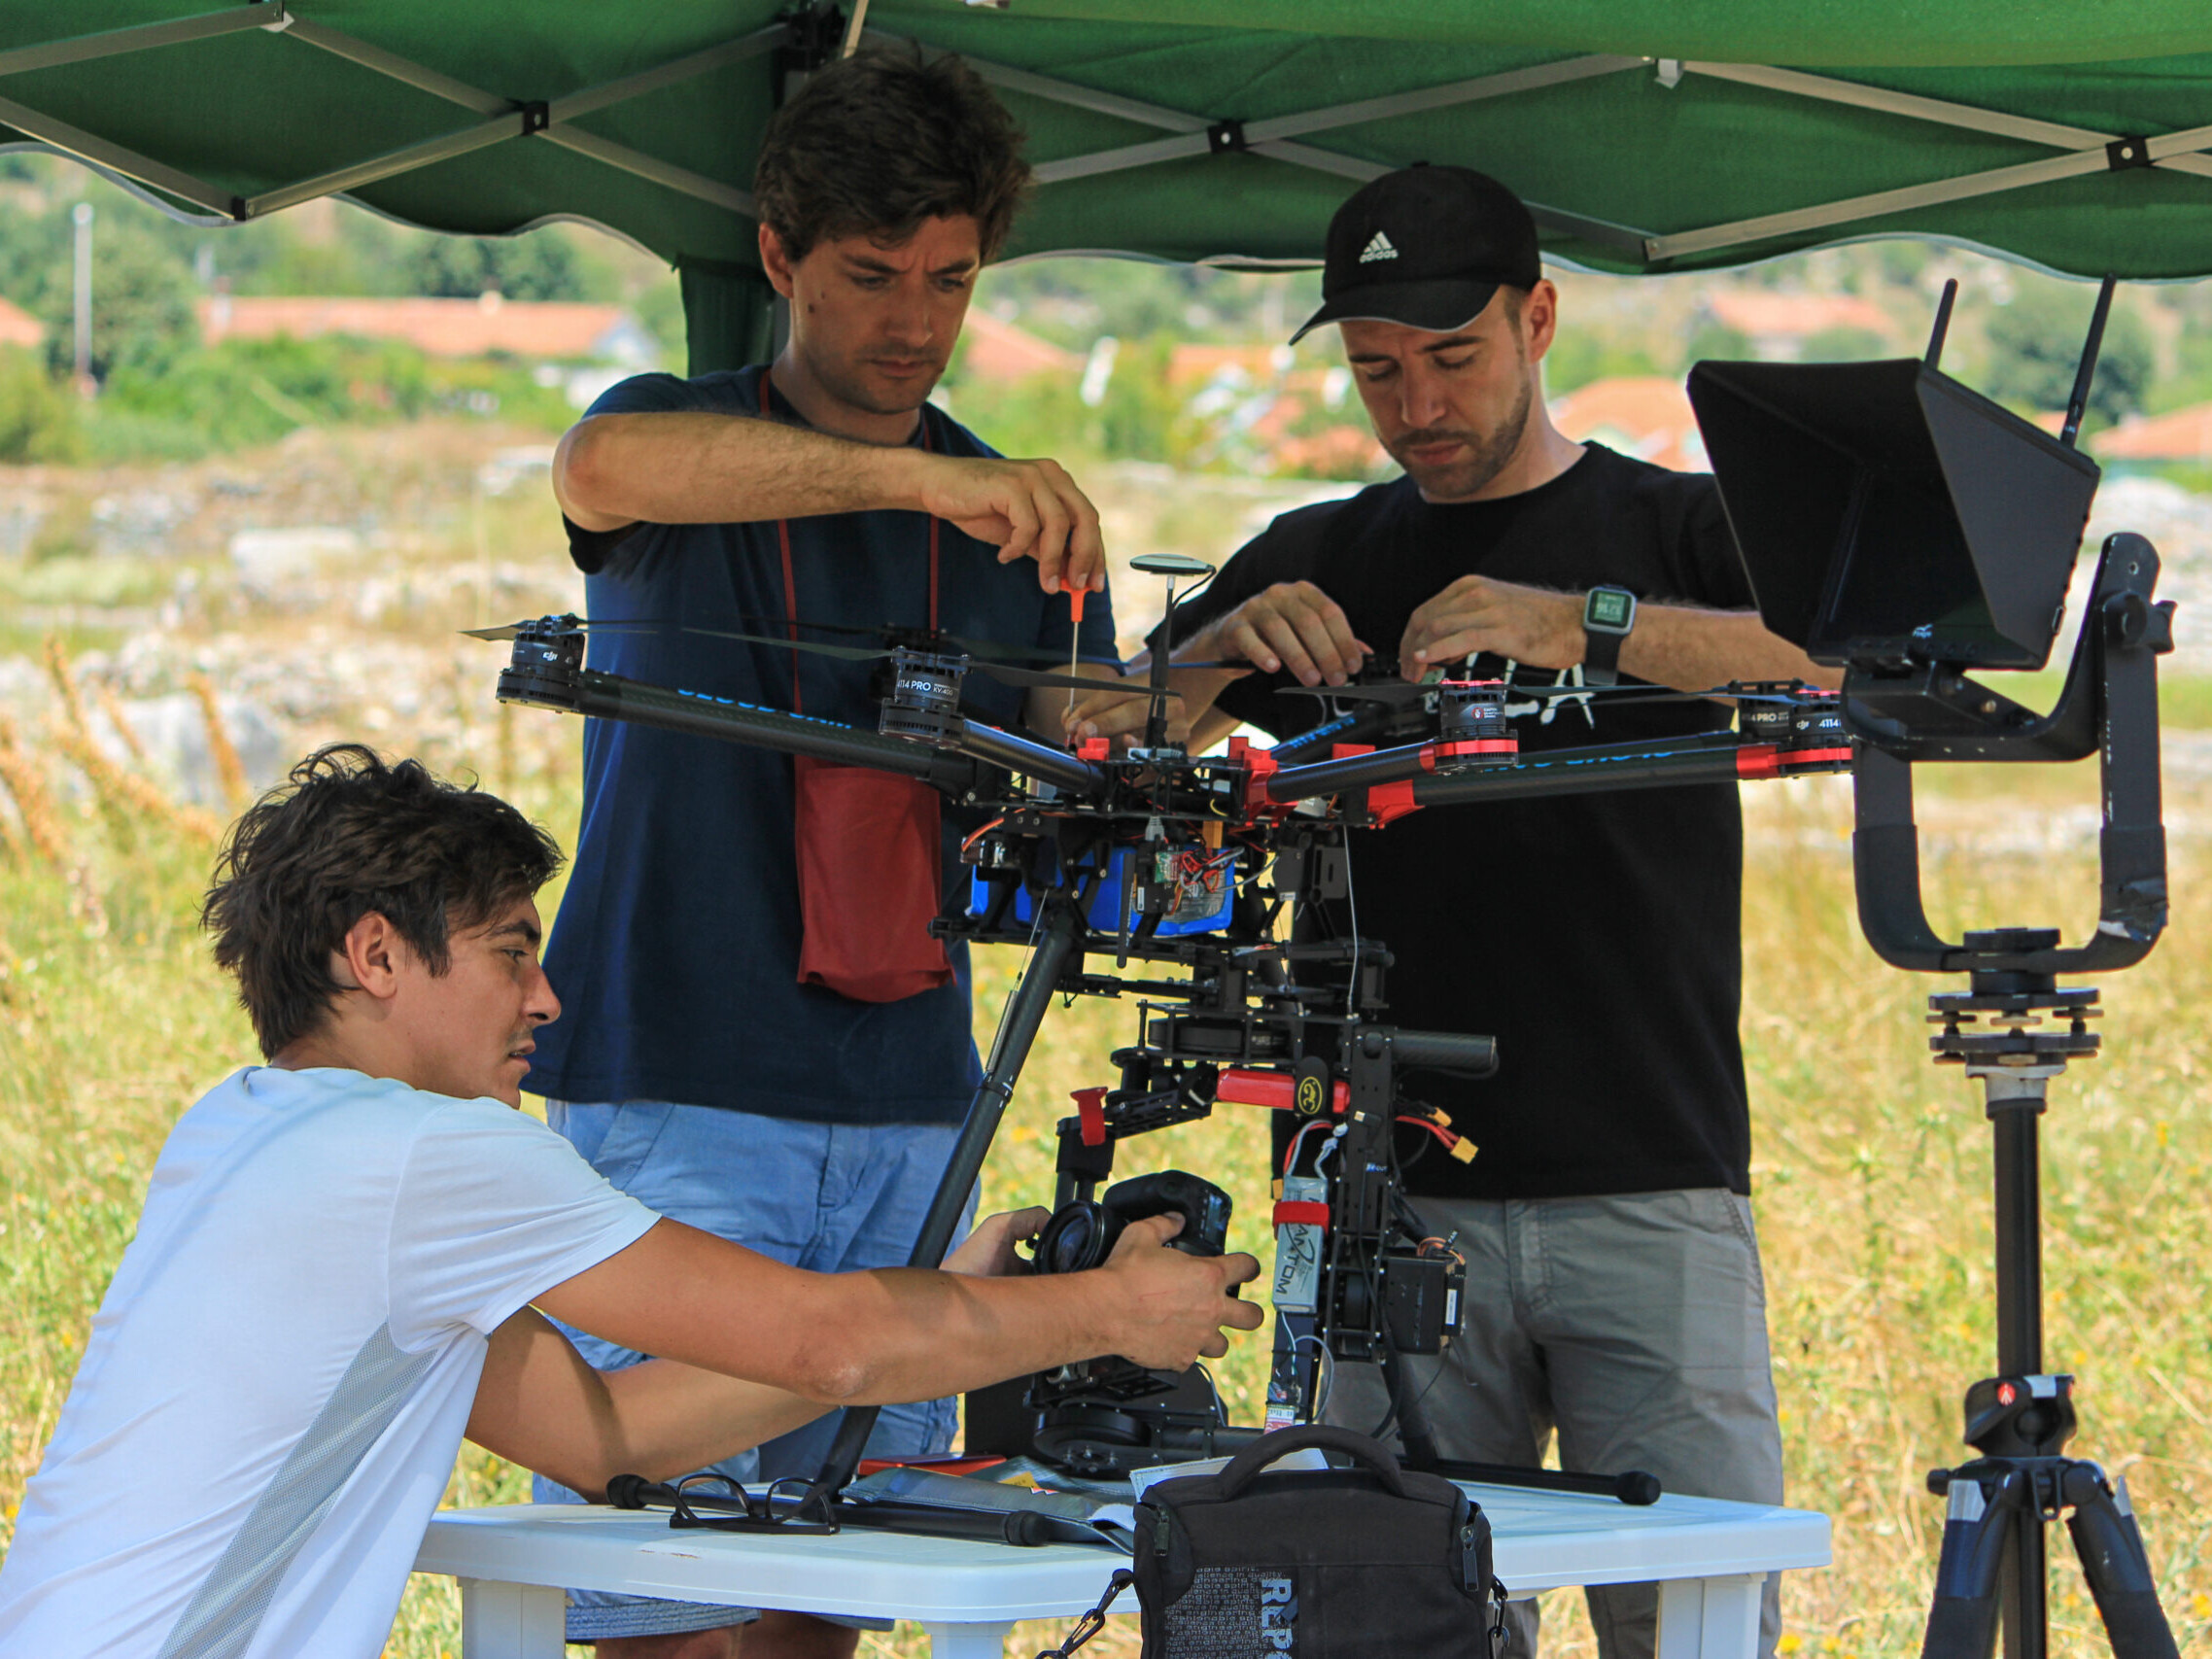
{"points": [[1426, 247]]}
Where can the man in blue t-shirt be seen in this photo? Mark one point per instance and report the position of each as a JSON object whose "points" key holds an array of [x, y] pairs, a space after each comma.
{"points": [[693, 1068]]}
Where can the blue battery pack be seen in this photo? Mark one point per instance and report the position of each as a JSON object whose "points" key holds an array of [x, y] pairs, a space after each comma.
{"points": [[1208, 888]]}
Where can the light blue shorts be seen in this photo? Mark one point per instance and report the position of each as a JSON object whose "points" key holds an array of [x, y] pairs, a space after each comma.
{"points": [[829, 1197]]}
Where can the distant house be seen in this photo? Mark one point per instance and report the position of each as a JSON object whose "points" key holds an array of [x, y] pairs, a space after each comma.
{"points": [[19, 327], [539, 329], [1191, 365], [2183, 435], [1646, 416], [996, 350], [1779, 325]]}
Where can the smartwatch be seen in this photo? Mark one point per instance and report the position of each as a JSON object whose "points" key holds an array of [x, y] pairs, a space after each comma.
{"points": [[1608, 615]]}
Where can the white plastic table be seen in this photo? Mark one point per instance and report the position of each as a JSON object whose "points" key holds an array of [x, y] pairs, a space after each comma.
{"points": [[1708, 1556]]}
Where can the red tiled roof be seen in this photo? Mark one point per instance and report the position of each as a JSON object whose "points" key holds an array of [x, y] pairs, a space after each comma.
{"points": [[1757, 312], [1644, 415], [2184, 435], [442, 327], [993, 349], [19, 327]]}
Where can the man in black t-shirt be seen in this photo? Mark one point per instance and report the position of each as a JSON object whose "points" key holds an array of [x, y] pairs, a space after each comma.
{"points": [[1614, 1287]]}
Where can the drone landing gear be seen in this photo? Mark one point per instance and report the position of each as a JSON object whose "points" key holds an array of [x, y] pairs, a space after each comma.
{"points": [[1993, 1568]]}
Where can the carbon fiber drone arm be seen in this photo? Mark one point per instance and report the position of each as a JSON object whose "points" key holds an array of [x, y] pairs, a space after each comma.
{"points": [[1026, 755], [611, 696], [546, 672], [1426, 774]]}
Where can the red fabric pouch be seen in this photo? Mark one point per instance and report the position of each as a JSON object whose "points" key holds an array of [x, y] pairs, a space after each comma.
{"points": [[869, 881]]}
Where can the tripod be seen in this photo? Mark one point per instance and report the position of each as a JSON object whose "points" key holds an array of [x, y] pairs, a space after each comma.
{"points": [[1994, 1561]]}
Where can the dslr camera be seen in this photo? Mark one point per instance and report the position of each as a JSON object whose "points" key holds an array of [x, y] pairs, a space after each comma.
{"points": [[1081, 1234]]}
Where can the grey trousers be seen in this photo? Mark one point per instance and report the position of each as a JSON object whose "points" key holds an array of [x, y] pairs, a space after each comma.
{"points": [[1633, 1327]]}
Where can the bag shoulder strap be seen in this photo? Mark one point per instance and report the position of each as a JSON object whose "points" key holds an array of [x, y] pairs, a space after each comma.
{"points": [[783, 547]]}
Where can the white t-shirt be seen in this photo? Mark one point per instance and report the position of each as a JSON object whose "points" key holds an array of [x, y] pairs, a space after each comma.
{"points": [[278, 1378]]}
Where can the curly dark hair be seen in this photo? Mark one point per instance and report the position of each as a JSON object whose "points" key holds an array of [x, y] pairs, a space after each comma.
{"points": [[351, 834], [875, 143]]}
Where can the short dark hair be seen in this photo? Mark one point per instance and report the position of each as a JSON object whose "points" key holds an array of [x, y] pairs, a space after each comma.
{"points": [[349, 835], [875, 144]]}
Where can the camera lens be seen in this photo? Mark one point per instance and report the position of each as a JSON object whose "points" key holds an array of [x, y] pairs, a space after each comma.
{"points": [[1080, 1237]]}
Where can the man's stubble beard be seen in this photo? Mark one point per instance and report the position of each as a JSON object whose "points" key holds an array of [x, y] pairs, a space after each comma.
{"points": [[1487, 457], [848, 386]]}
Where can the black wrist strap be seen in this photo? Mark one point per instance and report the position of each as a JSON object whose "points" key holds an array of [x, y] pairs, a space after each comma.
{"points": [[1601, 658]]}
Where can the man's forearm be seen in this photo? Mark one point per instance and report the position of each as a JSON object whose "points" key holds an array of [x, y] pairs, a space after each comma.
{"points": [[540, 1405], [693, 467], [1694, 650], [850, 1339], [909, 1335]]}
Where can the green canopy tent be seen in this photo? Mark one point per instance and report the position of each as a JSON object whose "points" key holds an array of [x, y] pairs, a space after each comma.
{"points": [[1651, 135]]}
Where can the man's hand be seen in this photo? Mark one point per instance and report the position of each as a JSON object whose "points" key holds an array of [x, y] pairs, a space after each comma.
{"points": [[1176, 1303], [987, 1253], [1526, 625], [1029, 509], [1291, 625], [1121, 714]]}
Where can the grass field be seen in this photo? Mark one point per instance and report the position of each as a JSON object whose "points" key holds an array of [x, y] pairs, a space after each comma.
{"points": [[1871, 1169]]}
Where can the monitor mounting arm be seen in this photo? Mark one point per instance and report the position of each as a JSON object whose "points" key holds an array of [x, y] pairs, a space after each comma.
{"points": [[2110, 702]]}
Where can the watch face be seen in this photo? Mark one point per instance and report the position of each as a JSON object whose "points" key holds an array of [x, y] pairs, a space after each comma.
{"points": [[1608, 607]]}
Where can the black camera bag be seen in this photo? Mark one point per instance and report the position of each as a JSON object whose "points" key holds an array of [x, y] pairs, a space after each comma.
{"points": [[1371, 1561]]}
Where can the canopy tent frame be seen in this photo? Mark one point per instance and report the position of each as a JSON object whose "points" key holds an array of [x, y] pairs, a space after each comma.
{"points": [[503, 117], [2082, 151]]}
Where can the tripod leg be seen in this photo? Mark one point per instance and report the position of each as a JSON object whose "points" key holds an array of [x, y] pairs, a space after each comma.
{"points": [[1962, 1621], [2024, 1588], [2113, 1561]]}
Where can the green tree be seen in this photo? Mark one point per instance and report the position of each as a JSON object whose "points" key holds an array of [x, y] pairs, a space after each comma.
{"points": [[1844, 344], [38, 418], [1900, 261], [2035, 344], [539, 266], [1716, 342], [142, 310]]}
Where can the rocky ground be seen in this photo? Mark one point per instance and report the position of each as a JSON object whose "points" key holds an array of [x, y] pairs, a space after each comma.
{"points": [[320, 587]]}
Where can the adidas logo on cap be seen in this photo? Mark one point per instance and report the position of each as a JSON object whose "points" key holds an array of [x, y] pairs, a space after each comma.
{"points": [[1379, 248]]}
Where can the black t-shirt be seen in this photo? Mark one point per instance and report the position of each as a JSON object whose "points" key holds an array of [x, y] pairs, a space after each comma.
{"points": [[1596, 936]]}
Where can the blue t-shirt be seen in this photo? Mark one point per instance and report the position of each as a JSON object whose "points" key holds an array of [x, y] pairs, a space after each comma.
{"points": [[676, 947]]}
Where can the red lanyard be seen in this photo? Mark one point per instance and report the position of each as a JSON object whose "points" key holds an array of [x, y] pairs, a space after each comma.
{"points": [[790, 587]]}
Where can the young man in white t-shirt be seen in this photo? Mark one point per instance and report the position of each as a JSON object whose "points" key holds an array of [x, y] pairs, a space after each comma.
{"points": [[343, 1254]]}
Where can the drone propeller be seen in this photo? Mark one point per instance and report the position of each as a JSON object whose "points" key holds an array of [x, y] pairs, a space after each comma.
{"points": [[513, 630], [1004, 672], [919, 638], [1396, 693], [1400, 693], [1631, 694]]}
